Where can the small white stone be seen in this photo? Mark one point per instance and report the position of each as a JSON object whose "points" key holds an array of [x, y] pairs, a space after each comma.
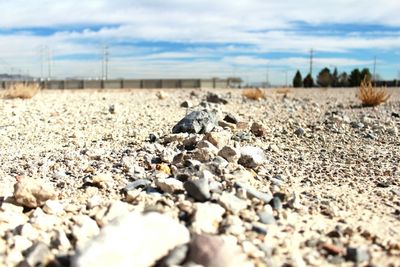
{"points": [[169, 185], [207, 217], [135, 239], [84, 229], [53, 207]]}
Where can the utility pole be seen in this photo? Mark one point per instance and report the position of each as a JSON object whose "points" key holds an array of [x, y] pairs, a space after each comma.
{"points": [[104, 63], [374, 69], [267, 78], [49, 63], [311, 60], [41, 62]]}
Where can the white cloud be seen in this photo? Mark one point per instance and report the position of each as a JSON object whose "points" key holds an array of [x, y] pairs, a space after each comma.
{"points": [[264, 25]]}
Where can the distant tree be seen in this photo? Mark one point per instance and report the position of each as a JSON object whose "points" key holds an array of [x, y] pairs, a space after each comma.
{"points": [[365, 73], [297, 80], [308, 81], [324, 78], [355, 78], [335, 78], [343, 80]]}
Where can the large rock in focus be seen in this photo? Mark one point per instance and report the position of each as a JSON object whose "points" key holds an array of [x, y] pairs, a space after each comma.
{"points": [[213, 251], [133, 240], [33, 193], [196, 122]]}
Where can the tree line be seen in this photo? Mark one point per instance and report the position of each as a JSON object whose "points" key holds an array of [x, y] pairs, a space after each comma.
{"points": [[326, 78]]}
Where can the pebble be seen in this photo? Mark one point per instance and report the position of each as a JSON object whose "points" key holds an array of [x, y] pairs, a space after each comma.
{"points": [[37, 255], [140, 183], [232, 203], [33, 193], [357, 255], [299, 131], [53, 207], [186, 104], [133, 239], [207, 217], [175, 257], [251, 157], [213, 251], [258, 129], [231, 118], [103, 180], [169, 185], [266, 217], [84, 229], [215, 98], [198, 189], [196, 122], [230, 153], [252, 192], [218, 139]]}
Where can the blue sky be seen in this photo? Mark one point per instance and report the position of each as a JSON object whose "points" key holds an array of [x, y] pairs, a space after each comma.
{"points": [[198, 38]]}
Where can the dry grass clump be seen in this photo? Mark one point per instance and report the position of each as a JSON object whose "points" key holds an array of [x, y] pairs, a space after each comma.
{"points": [[371, 96], [21, 90], [283, 90], [253, 93]]}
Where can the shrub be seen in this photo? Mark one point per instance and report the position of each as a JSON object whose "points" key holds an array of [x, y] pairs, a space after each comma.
{"points": [[253, 93], [21, 90], [297, 80], [308, 81], [371, 96]]}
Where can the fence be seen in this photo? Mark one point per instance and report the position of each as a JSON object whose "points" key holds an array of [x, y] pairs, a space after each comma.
{"points": [[121, 83]]}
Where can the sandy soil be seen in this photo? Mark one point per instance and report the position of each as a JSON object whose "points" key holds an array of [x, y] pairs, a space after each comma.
{"points": [[344, 169]]}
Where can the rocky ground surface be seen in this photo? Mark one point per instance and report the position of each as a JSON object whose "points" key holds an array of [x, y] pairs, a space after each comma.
{"points": [[189, 178]]}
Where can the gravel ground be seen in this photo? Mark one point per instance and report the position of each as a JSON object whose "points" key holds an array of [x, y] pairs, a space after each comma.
{"points": [[300, 178]]}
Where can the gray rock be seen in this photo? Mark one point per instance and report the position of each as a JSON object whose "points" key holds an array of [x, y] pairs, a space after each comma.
{"points": [[133, 239], [37, 255], [111, 109], [357, 255], [213, 251], [141, 183], [299, 131], [252, 192], [276, 203], [196, 122], [266, 217], [198, 189], [356, 125], [251, 157], [220, 162], [232, 203], [33, 193]]}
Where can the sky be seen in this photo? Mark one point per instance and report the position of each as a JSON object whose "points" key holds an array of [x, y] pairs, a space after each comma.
{"points": [[258, 40]]}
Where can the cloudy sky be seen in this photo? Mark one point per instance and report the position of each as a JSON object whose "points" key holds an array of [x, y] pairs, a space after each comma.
{"points": [[254, 39]]}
